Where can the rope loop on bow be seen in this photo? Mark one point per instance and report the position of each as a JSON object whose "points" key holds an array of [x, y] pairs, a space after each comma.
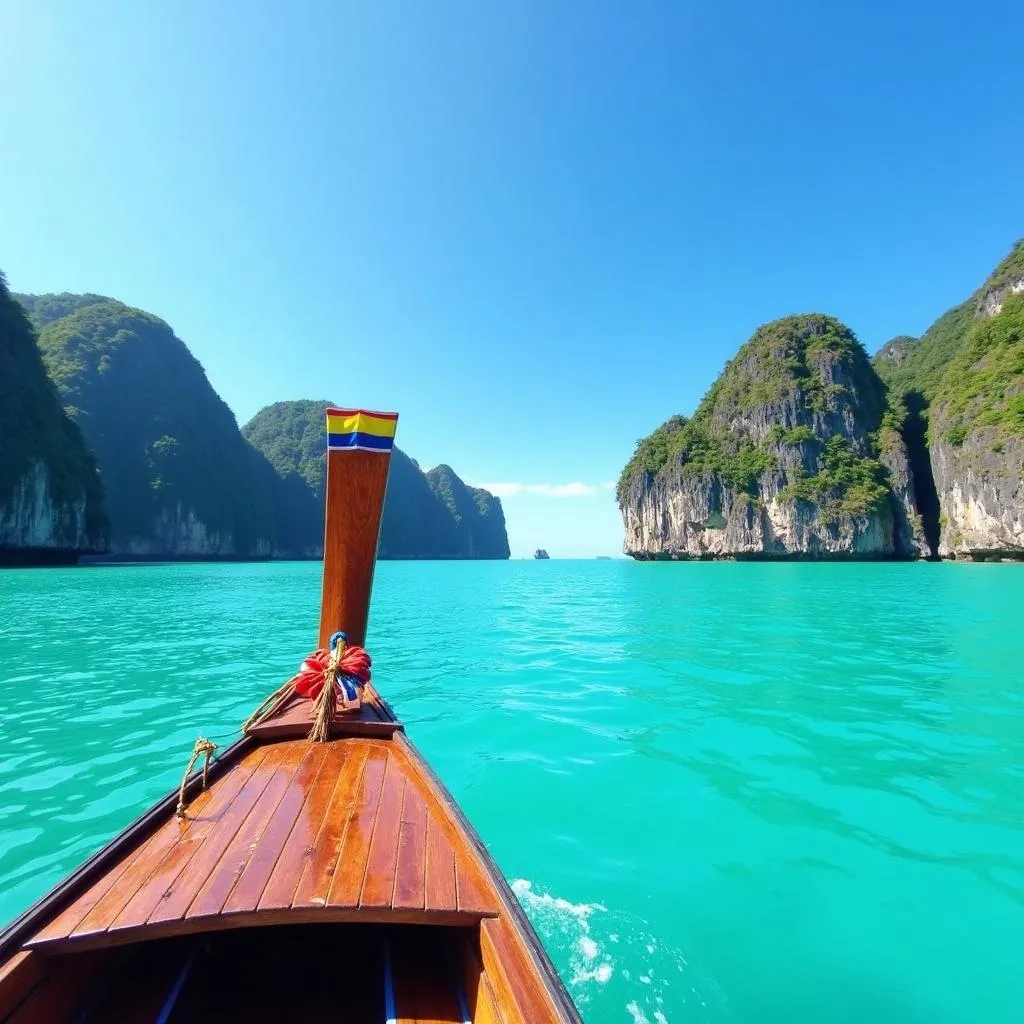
{"points": [[203, 747]]}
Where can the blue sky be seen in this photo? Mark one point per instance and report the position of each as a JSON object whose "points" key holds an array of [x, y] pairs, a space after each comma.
{"points": [[535, 229]]}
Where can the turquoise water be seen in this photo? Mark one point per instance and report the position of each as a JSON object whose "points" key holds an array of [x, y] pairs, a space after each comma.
{"points": [[725, 792]]}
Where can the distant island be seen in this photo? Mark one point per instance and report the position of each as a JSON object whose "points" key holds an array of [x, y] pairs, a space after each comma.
{"points": [[803, 448], [541, 553], [116, 445]]}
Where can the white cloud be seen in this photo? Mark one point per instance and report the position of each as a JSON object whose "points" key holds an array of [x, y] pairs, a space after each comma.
{"points": [[576, 489]]}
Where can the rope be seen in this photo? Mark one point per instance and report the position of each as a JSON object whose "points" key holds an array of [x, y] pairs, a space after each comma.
{"points": [[203, 746], [270, 705], [327, 698]]}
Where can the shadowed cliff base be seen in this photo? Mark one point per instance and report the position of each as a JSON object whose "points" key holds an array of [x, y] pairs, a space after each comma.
{"points": [[915, 434], [20, 558], [1000, 555]]}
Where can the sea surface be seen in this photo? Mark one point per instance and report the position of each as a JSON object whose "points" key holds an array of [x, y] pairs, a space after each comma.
{"points": [[723, 792]]}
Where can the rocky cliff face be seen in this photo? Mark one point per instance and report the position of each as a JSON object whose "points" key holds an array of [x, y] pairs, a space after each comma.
{"points": [[977, 434], [50, 493], [963, 381], [981, 490], [180, 480], [32, 520], [792, 454]]}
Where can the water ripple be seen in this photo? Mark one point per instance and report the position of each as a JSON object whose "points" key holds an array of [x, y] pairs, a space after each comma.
{"points": [[740, 792]]}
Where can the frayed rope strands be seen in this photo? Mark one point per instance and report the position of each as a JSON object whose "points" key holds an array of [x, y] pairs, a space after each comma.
{"points": [[203, 746]]}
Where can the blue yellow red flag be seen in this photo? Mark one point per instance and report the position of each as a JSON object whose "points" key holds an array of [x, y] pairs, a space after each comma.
{"points": [[361, 430]]}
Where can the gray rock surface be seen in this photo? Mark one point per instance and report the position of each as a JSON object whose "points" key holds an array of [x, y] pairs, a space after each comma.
{"points": [[820, 394], [981, 492], [31, 519], [980, 483]]}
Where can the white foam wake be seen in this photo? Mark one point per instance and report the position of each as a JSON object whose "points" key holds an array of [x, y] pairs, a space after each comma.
{"points": [[611, 962]]}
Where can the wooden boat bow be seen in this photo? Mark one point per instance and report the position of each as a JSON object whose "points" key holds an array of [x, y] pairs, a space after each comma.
{"points": [[344, 869]]}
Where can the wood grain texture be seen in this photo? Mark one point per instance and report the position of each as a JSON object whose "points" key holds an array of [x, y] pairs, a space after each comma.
{"points": [[18, 977], [223, 876], [254, 877], [304, 841], [440, 892], [216, 801], [203, 815], [382, 858], [356, 484], [486, 1011], [472, 897], [410, 872], [350, 865], [179, 894], [513, 964], [519, 993], [314, 885]]}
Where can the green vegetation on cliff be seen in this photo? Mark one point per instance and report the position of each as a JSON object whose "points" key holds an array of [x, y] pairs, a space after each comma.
{"points": [[178, 476], [35, 430], [476, 514], [966, 371], [802, 371], [919, 368], [44, 309], [984, 386], [924, 360], [433, 515], [291, 436]]}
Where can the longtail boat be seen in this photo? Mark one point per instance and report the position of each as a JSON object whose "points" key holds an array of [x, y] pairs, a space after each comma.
{"points": [[318, 870]]}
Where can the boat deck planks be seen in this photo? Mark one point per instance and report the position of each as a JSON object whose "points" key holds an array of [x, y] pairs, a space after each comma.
{"points": [[382, 858], [296, 830], [439, 881], [410, 877]]}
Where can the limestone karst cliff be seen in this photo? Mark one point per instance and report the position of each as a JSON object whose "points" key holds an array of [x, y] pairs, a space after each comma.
{"points": [[963, 384], [51, 498], [180, 480], [793, 453]]}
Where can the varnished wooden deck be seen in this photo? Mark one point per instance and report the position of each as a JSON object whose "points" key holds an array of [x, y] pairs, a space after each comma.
{"points": [[295, 832]]}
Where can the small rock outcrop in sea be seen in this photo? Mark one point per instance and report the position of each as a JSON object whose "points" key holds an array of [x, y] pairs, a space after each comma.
{"points": [[541, 553], [51, 498], [793, 453], [963, 384], [426, 515]]}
